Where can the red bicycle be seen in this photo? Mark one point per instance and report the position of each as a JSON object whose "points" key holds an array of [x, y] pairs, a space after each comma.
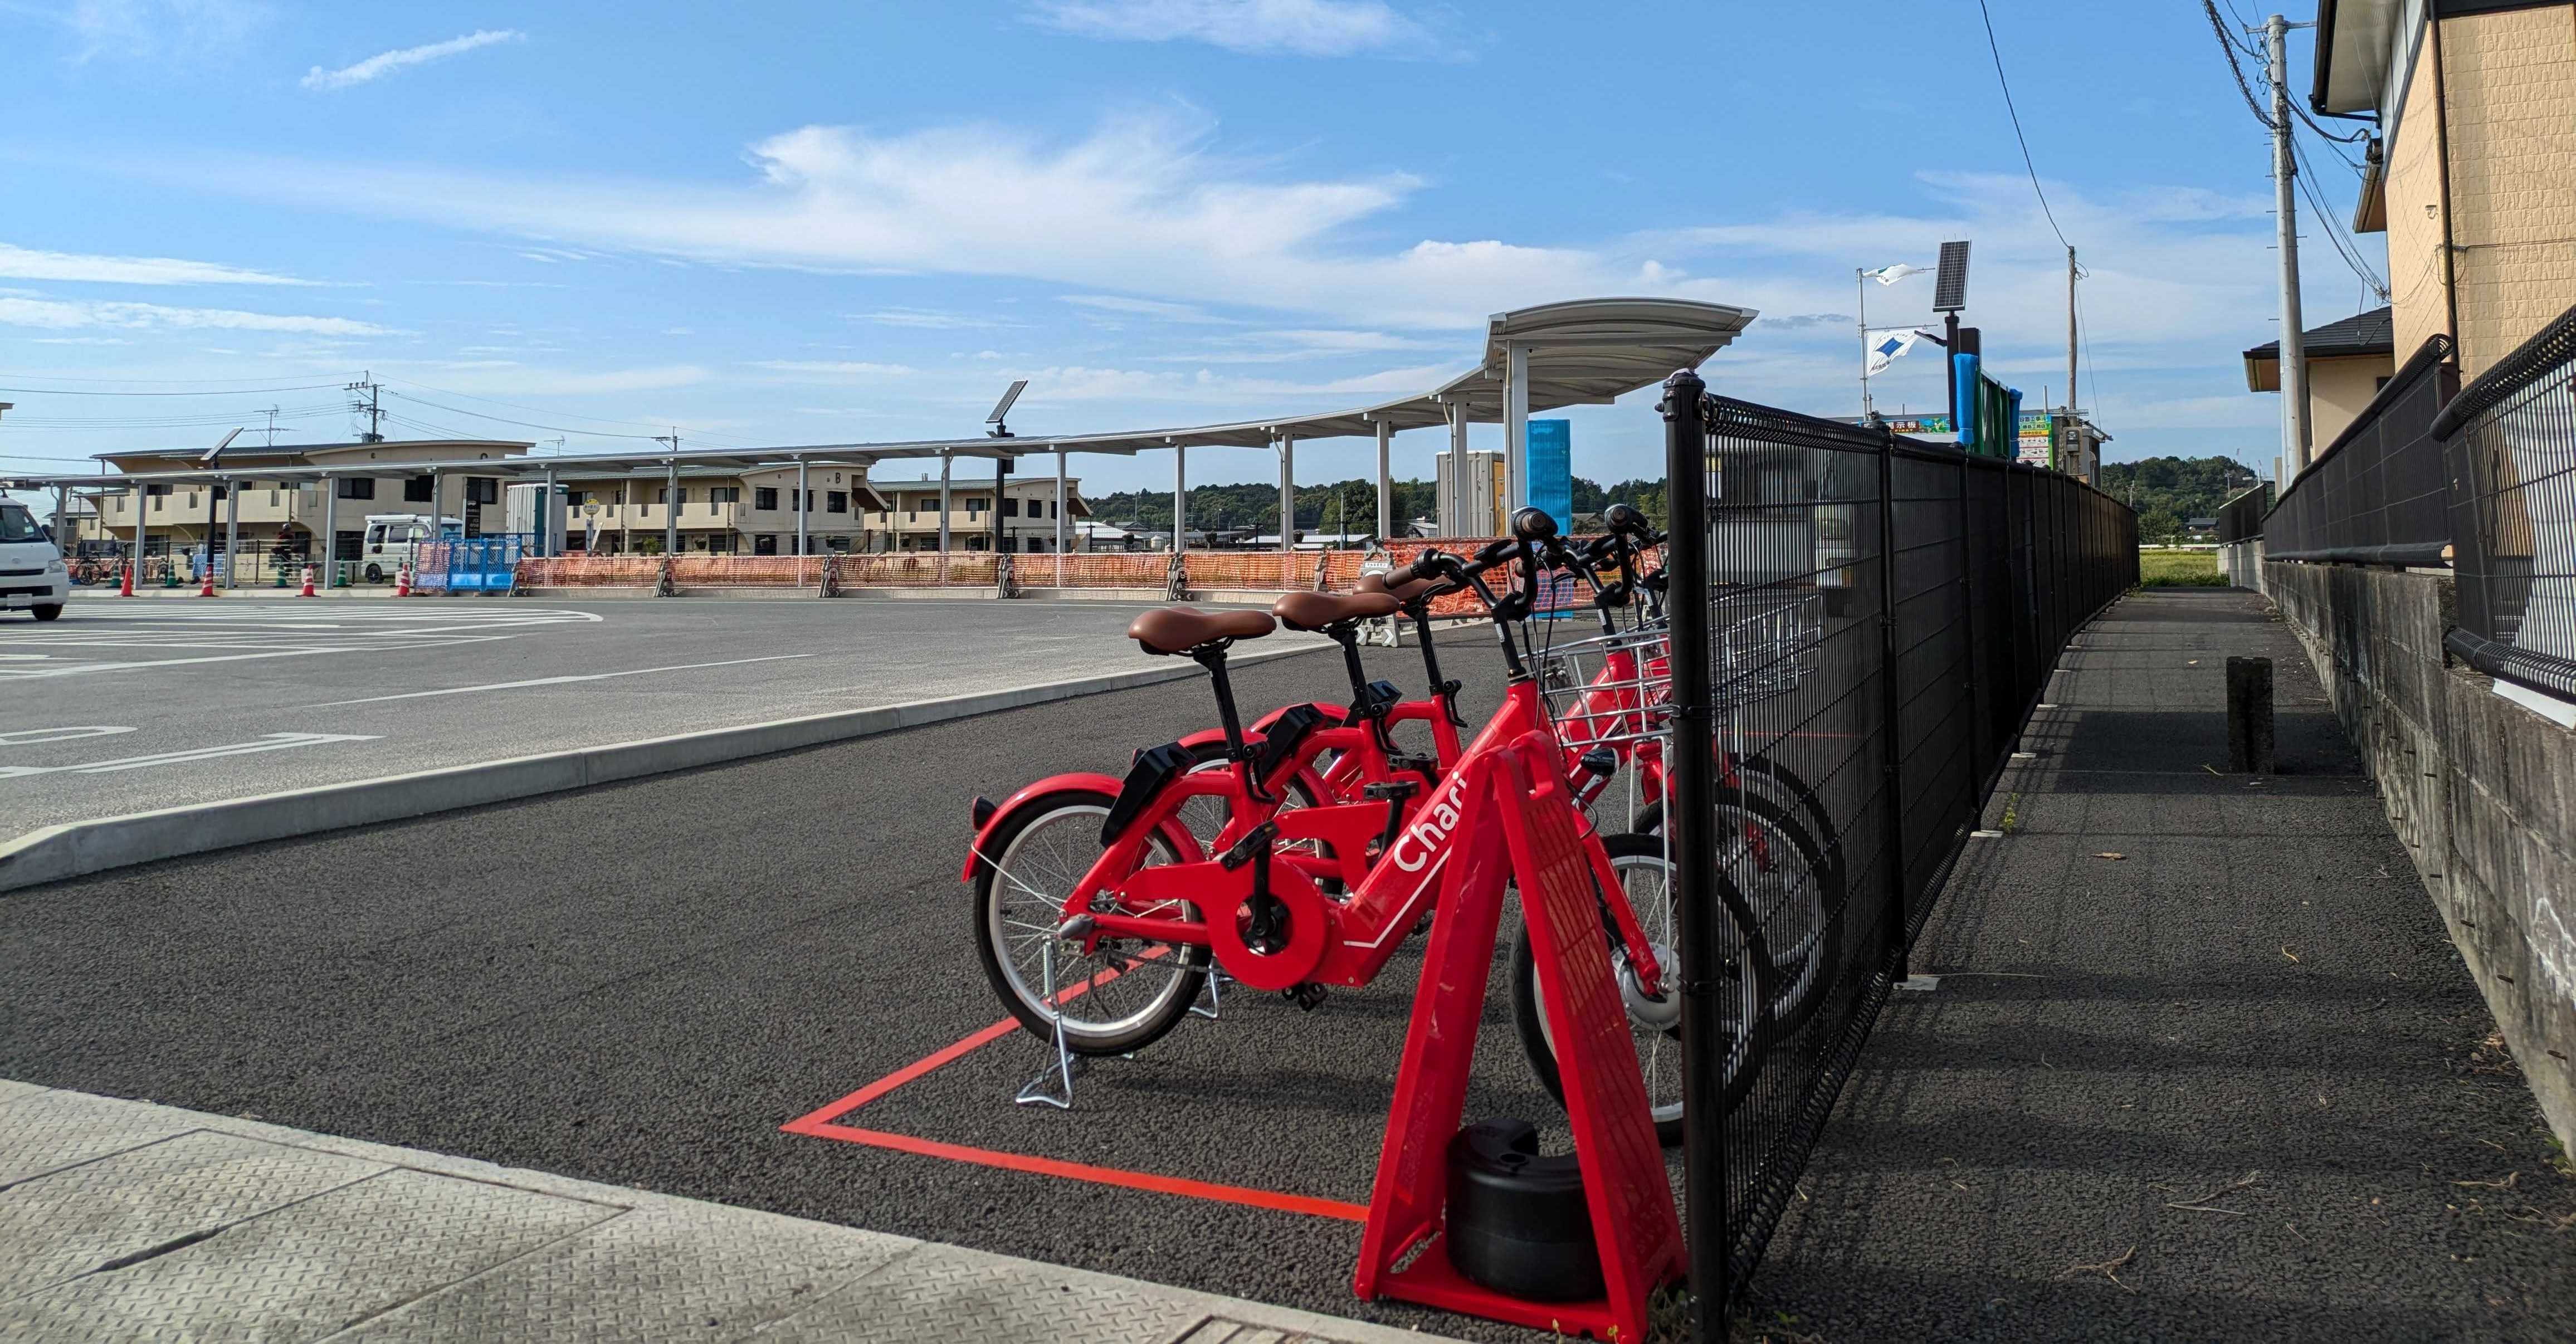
{"points": [[1098, 912]]}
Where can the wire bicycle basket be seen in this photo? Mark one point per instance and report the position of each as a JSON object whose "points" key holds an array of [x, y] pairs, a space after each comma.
{"points": [[1766, 641], [1609, 688]]}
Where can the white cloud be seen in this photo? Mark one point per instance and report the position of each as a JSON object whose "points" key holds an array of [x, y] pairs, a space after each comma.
{"points": [[162, 31], [929, 319], [1295, 27], [385, 63], [832, 369], [65, 315], [1169, 312], [28, 264]]}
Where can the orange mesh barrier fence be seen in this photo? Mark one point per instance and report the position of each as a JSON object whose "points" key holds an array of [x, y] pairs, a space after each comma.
{"points": [[746, 571], [1108, 569], [590, 571], [916, 569], [1266, 570]]}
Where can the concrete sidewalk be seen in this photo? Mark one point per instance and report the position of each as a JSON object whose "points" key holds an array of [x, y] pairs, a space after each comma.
{"points": [[126, 1220], [2201, 1062]]}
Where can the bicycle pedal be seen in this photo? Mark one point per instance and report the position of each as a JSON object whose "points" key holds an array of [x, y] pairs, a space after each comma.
{"points": [[1308, 996], [1254, 841], [1391, 790]]}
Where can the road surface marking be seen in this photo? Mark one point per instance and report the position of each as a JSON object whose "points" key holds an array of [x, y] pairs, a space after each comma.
{"points": [[555, 681], [28, 737], [269, 742]]}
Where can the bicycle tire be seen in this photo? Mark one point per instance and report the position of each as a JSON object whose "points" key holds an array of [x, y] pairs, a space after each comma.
{"points": [[1743, 1057], [1161, 1015]]}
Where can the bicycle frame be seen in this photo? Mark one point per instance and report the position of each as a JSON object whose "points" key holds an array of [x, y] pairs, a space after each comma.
{"points": [[1329, 942]]}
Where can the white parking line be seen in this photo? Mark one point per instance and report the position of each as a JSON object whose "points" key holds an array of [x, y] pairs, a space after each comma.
{"points": [[555, 681], [28, 737], [269, 742]]}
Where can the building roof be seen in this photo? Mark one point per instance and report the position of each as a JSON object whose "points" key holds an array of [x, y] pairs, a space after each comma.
{"points": [[2358, 336], [1579, 352], [291, 452], [2356, 40]]}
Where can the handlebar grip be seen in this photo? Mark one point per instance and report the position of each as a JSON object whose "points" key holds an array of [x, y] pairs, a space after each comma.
{"points": [[1533, 525], [1626, 518], [1430, 564]]}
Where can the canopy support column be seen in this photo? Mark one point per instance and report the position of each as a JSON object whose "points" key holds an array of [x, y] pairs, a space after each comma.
{"points": [[1180, 499], [232, 533], [944, 464], [330, 532], [1059, 518], [546, 516], [671, 509], [1457, 519], [1287, 492], [1385, 484], [804, 504], [1515, 428], [142, 501]]}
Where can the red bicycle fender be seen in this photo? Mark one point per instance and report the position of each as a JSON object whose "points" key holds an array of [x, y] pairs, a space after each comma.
{"points": [[1072, 783], [1079, 782], [1333, 713]]}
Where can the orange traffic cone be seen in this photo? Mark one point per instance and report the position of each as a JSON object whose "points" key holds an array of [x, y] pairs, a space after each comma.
{"points": [[308, 582], [402, 579], [206, 585], [125, 585]]}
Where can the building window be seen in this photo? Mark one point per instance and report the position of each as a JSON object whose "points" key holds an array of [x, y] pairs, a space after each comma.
{"points": [[836, 501], [724, 494], [482, 490], [416, 490], [574, 499], [765, 497], [356, 487], [1011, 508]]}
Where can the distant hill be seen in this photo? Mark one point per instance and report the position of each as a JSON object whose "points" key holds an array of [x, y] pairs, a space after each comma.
{"points": [[2170, 491]]}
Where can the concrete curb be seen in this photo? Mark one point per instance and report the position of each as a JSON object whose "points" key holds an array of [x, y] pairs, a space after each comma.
{"points": [[74, 849]]}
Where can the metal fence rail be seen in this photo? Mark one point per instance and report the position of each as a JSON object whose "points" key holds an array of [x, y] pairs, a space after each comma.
{"points": [[2510, 446], [2376, 495], [1828, 771], [2241, 518]]}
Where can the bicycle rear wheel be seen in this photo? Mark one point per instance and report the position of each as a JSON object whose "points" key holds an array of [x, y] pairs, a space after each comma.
{"points": [[1120, 996]]}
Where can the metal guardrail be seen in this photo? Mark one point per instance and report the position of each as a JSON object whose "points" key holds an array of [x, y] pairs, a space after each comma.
{"points": [[1943, 586], [2241, 518], [2376, 495], [2510, 445]]}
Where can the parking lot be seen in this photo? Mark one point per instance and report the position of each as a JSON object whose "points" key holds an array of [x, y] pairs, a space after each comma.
{"points": [[648, 983], [125, 707]]}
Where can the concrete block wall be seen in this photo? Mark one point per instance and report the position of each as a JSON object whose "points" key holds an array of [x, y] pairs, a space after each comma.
{"points": [[2480, 790]]}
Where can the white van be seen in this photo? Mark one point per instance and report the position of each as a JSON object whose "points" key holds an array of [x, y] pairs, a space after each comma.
{"points": [[32, 575], [393, 540]]}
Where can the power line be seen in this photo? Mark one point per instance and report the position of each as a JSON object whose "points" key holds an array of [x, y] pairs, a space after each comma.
{"points": [[226, 392], [2024, 141], [523, 424], [2343, 246], [541, 410], [2228, 48]]}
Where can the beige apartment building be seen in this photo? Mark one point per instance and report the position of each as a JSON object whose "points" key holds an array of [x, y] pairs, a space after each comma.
{"points": [[2473, 172], [2347, 362], [720, 511], [909, 518], [291, 515]]}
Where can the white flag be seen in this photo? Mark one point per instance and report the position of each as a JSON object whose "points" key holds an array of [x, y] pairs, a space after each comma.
{"points": [[1886, 347], [1888, 275]]}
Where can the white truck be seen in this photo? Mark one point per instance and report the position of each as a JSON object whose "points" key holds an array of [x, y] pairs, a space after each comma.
{"points": [[32, 575], [394, 540]]}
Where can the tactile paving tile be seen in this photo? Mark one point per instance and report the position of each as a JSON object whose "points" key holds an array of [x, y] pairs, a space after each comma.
{"points": [[53, 1130], [939, 1292], [666, 1271], [310, 1269], [11, 1090], [74, 1220]]}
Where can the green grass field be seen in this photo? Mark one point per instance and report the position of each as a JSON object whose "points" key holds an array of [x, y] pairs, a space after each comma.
{"points": [[2179, 569]]}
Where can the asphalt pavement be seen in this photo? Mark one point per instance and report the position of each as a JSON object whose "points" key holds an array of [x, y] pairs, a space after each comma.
{"points": [[120, 708], [641, 983]]}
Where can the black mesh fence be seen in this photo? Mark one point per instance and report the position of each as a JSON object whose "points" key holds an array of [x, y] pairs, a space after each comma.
{"points": [[2376, 495], [2510, 443], [1860, 625], [2241, 518]]}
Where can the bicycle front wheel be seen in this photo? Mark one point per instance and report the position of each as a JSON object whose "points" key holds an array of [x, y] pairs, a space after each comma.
{"points": [[1645, 874], [1120, 996]]}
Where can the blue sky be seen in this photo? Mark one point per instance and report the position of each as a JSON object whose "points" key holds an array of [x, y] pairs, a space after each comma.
{"points": [[805, 222]]}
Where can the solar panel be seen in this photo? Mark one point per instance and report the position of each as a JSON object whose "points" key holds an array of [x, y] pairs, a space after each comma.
{"points": [[1950, 287]]}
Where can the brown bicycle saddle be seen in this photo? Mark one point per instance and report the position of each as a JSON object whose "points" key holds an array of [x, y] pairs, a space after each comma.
{"points": [[1180, 629], [1401, 592], [1314, 611]]}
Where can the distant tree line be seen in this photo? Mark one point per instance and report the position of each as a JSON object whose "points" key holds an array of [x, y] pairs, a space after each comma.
{"points": [[1343, 506], [2168, 492]]}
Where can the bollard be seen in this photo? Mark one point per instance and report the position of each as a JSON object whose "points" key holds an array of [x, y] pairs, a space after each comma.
{"points": [[2249, 715], [402, 579]]}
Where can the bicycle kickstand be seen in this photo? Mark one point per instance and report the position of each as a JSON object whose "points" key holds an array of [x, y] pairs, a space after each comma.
{"points": [[1208, 1009], [1057, 1075]]}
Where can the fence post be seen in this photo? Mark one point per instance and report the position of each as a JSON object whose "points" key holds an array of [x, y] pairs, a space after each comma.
{"points": [[1693, 826], [1891, 707]]}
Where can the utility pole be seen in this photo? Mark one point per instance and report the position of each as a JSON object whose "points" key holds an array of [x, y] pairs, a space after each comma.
{"points": [[2073, 440], [1860, 281], [375, 411], [2285, 169]]}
